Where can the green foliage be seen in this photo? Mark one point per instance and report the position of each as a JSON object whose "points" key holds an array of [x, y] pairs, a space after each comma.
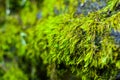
{"points": [[59, 46], [14, 74], [83, 43]]}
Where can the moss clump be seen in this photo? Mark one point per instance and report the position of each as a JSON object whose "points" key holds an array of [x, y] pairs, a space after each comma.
{"points": [[83, 44], [63, 46]]}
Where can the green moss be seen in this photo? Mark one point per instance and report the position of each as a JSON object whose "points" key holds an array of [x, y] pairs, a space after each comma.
{"points": [[83, 43], [65, 45], [14, 74]]}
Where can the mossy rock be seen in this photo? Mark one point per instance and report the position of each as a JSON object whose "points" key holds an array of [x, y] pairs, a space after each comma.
{"points": [[84, 43]]}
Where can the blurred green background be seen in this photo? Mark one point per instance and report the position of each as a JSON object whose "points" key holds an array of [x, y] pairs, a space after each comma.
{"points": [[46, 40]]}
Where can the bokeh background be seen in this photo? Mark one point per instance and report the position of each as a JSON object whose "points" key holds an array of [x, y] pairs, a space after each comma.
{"points": [[21, 59]]}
